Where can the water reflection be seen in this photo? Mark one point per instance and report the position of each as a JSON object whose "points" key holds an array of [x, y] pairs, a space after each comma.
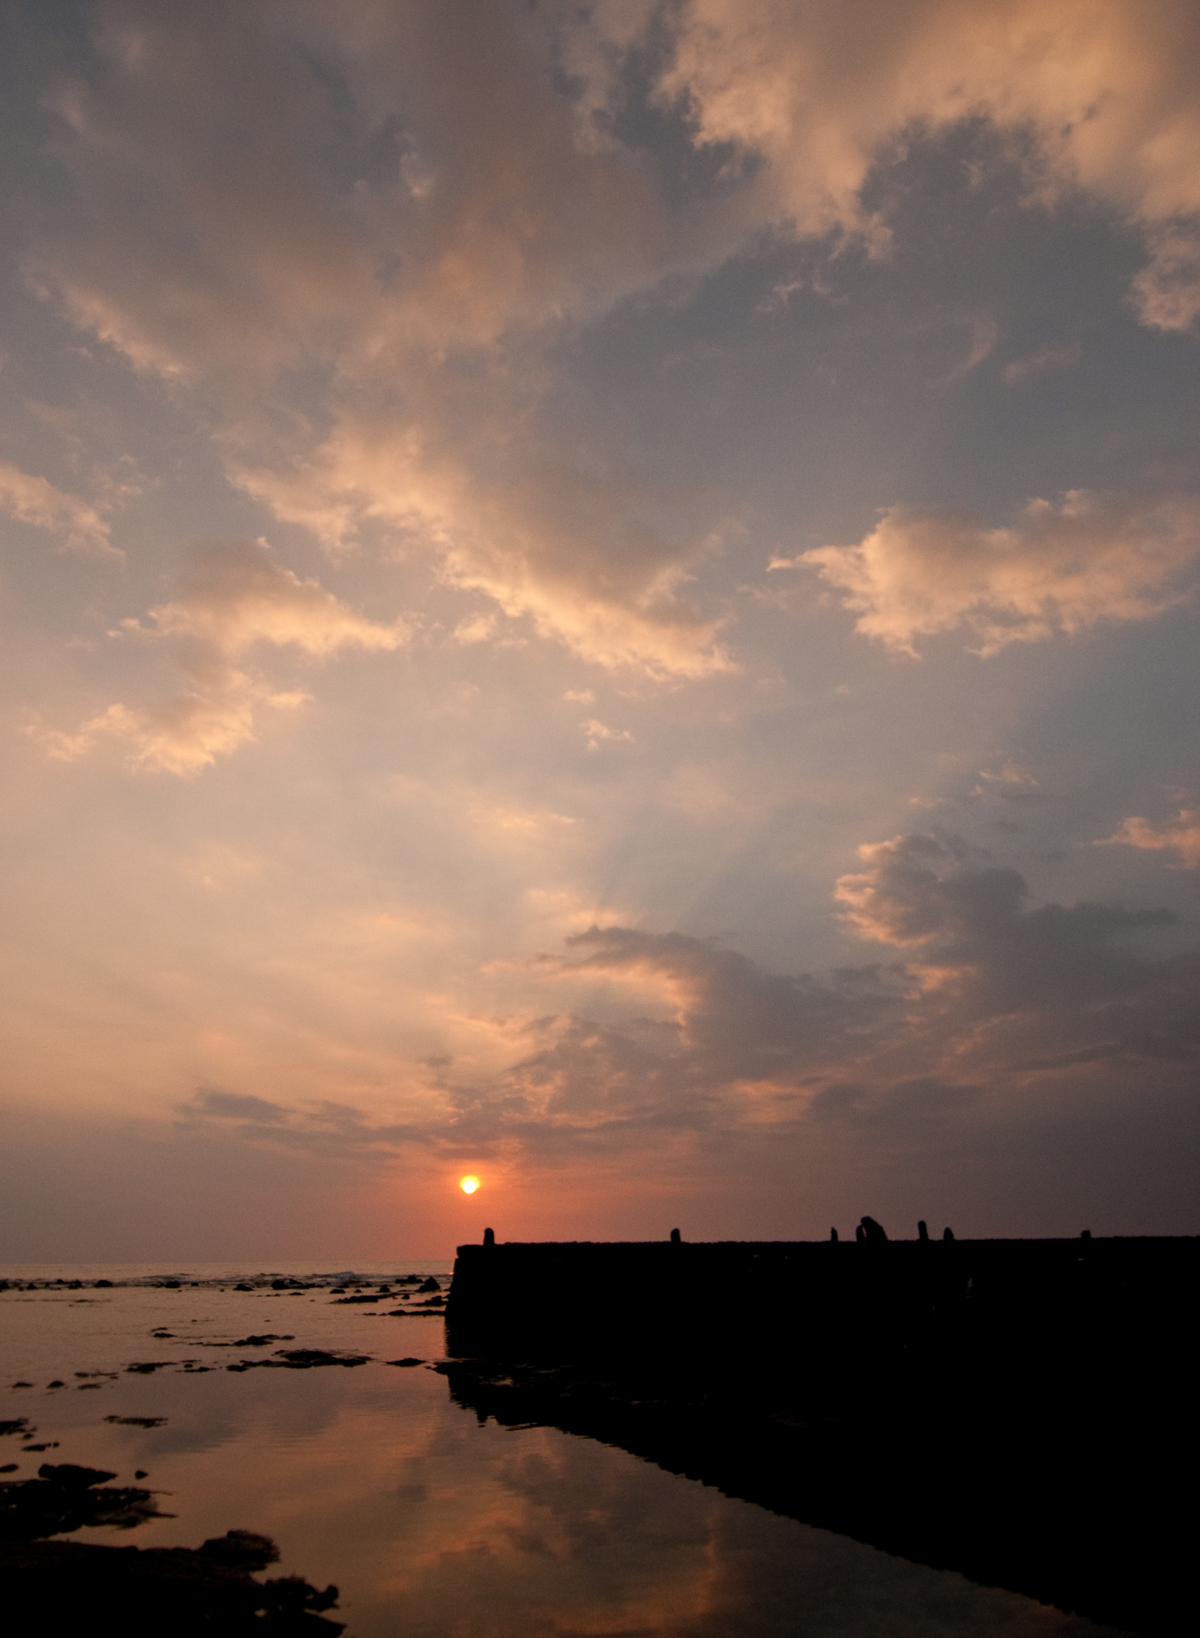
{"points": [[429, 1522]]}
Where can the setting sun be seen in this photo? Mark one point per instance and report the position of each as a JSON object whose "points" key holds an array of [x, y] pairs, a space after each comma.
{"points": [[468, 1185]]}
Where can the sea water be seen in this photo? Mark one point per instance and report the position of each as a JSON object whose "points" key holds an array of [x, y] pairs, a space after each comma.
{"points": [[373, 1478]]}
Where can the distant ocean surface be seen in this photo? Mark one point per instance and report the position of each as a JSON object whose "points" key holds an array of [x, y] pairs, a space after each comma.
{"points": [[371, 1477]]}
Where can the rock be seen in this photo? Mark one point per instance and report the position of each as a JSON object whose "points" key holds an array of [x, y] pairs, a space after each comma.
{"points": [[240, 1550], [84, 1588], [409, 1361], [64, 1498], [69, 1473]]}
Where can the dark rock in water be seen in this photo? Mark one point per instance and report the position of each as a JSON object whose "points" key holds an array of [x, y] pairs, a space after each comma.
{"points": [[57, 1383], [141, 1473], [242, 1286], [369, 1296], [65, 1498], [299, 1359], [10, 1467], [103, 1285], [240, 1550], [22, 1384], [409, 1361], [71, 1587], [69, 1473], [19, 1424], [429, 1285], [170, 1285], [253, 1342], [51, 1445], [137, 1422], [147, 1366]]}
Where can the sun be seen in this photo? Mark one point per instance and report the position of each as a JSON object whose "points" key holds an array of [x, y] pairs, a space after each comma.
{"points": [[468, 1185]]}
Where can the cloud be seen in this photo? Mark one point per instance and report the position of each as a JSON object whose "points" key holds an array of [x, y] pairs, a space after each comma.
{"points": [[77, 523], [598, 560], [984, 992], [236, 596], [1166, 293], [980, 947], [320, 1127], [597, 733], [1061, 569], [1182, 838], [236, 1106], [402, 258], [183, 736], [1103, 89], [1050, 358], [1013, 782]]}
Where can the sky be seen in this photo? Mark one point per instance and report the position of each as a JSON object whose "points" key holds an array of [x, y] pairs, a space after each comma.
{"points": [[602, 596]]}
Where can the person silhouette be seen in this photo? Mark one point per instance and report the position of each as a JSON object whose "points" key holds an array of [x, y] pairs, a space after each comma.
{"points": [[874, 1233]]}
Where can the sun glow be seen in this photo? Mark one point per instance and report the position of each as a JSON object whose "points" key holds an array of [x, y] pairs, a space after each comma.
{"points": [[468, 1185]]}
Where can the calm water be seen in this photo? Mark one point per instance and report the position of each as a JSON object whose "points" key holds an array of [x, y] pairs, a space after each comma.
{"points": [[428, 1522]]}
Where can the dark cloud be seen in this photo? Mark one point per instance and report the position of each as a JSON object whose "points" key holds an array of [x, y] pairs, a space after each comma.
{"points": [[214, 1104], [321, 1128], [991, 994]]}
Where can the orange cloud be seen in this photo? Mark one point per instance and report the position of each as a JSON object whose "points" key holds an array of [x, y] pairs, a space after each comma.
{"points": [[1182, 838], [1104, 87], [1094, 559], [235, 597], [76, 522]]}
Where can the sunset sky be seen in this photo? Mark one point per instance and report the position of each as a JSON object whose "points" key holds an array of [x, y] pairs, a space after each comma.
{"points": [[602, 596]]}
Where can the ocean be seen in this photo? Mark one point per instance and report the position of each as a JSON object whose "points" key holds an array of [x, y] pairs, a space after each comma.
{"points": [[206, 1385]]}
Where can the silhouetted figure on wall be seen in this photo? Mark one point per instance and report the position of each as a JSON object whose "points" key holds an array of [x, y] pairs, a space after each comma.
{"points": [[833, 1235], [860, 1234], [873, 1233], [947, 1234], [489, 1238], [676, 1238], [922, 1230]]}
